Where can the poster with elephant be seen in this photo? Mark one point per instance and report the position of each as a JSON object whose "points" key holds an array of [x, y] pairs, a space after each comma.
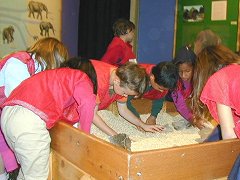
{"points": [[23, 22]]}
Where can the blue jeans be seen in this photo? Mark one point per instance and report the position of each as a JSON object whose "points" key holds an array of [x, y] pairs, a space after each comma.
{"points": [[235, 171], [215, 136]]}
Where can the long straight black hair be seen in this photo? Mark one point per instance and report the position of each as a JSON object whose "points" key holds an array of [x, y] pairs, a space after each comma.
{"points": [[85, 66]]}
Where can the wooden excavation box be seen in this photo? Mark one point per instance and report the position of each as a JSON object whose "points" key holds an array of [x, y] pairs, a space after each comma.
{"points": [[77, 155]]}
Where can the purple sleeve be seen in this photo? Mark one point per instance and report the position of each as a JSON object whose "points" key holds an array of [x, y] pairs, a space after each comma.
{"points": [[181, 105], [187, 85]]}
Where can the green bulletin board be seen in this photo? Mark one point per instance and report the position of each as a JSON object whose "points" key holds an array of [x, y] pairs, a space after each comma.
{"points": [[188, 24]]}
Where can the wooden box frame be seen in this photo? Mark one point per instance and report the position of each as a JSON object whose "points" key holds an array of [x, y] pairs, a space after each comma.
{"points": [[76, 154]]}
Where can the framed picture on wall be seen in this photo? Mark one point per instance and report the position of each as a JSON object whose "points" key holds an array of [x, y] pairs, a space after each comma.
{"points": [[193, 13], [24, 22]]}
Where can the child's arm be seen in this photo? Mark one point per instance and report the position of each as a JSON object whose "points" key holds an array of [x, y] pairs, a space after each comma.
{"points": [[157, 106], [181, 105], [130, 106], [226, 121], [128, 115], [15, 73], [98, 121]]}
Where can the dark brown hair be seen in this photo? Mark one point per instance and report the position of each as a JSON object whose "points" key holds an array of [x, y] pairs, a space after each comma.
{"points": [[85, 65], [121, 27], [166, 74]]}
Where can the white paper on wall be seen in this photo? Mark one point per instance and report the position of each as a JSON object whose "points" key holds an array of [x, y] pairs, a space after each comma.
{"points": [[219, 10]]}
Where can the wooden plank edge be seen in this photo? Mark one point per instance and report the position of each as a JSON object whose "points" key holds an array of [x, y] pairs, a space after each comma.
{"points": [[202, 161], [94, 156]]}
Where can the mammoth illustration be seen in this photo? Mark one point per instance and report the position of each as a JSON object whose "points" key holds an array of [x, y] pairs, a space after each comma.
{"points": [[37, 7], [45, 26], [7, 34]]}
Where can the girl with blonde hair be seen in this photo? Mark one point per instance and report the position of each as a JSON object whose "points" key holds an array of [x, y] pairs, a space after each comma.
{"points": [[46, 53]]}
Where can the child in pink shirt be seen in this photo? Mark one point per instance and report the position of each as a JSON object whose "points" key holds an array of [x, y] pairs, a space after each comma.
{"points": [[216, 89], [36, 105], [46, 53], [115, 84]]}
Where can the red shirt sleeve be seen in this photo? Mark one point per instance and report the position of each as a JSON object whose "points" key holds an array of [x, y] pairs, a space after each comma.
{"points": [[223, 87], [86, 100]]}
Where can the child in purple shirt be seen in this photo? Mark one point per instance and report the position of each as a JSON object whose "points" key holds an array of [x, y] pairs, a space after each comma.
{"points": [[185, 61]]}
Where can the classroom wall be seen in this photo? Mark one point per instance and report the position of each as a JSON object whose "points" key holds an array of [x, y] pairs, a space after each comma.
{"points": [[227, 29], [70, 11], [156, 30]]}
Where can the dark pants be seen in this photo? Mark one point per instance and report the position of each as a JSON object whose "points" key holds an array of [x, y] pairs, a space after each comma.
{"points": [[216, 135], [235, 171]]}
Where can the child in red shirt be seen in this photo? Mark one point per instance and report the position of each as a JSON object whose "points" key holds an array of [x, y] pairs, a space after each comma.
{"points": [[46, 53], [115, 84], [119, 51], [36, 105], [216, 89], [163, 76]]}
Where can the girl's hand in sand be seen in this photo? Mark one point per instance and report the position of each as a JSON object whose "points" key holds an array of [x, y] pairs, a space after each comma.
{"points": [[152, 128]]}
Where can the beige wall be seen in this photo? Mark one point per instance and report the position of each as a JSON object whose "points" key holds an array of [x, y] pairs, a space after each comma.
{"points": [[134, 18]]}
